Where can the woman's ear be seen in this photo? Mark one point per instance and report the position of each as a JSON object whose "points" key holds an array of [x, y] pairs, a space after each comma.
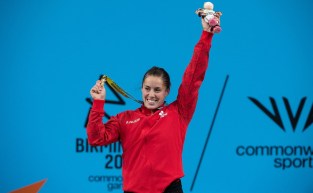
{"points": [[167, 91]]}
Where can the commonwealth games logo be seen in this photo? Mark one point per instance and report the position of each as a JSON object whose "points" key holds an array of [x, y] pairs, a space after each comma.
{"points": [[275, 115], [284, 156]]}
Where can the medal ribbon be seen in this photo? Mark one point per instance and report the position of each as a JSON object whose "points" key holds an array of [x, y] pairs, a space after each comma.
{"points": [[117, 88]]}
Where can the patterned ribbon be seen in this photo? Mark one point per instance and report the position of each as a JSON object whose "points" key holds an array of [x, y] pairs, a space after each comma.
{"points": [[117, 88]]}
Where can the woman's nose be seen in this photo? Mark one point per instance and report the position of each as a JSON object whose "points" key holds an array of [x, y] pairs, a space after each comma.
{"points": [[151, 93]]}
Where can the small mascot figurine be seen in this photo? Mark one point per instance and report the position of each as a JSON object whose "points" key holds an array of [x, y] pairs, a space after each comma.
{"points": [[210, 16]]}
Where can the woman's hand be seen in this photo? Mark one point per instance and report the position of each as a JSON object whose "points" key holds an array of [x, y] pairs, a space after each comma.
{"points": [[212, 29], [205, 25], [98, 92]]}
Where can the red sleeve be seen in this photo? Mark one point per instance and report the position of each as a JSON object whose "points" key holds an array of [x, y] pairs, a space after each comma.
{"points": [[193, 77], [97, 132]]}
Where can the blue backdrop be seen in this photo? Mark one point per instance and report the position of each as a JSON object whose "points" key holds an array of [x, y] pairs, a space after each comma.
{"points": [[252, 130]]}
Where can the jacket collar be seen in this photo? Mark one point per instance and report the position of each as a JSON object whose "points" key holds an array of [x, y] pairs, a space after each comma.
{"points": [[146, 111]]}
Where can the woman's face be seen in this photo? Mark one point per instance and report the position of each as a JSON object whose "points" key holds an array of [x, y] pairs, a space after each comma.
{"points": [[153, 92]]}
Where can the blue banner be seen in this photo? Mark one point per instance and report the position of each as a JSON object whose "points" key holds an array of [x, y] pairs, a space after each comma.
{"points": [[253, 126]]}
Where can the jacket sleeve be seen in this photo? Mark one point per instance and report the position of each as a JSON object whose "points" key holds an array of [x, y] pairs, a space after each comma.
{"points": [[193, 77], [100, 133]]}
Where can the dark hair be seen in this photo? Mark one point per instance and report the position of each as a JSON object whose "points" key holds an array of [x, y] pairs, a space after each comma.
{"points": [[159, 72]]}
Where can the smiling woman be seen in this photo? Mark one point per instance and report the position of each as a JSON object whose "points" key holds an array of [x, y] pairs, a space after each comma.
{"points": [[153, 135], [155, 87]]}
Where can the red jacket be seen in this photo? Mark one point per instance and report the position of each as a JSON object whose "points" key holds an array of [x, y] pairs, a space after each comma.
{"points": [[153, 142]]}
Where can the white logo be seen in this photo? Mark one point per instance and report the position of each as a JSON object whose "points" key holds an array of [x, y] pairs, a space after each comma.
{"points": [[134, 121], [162, 114]]}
